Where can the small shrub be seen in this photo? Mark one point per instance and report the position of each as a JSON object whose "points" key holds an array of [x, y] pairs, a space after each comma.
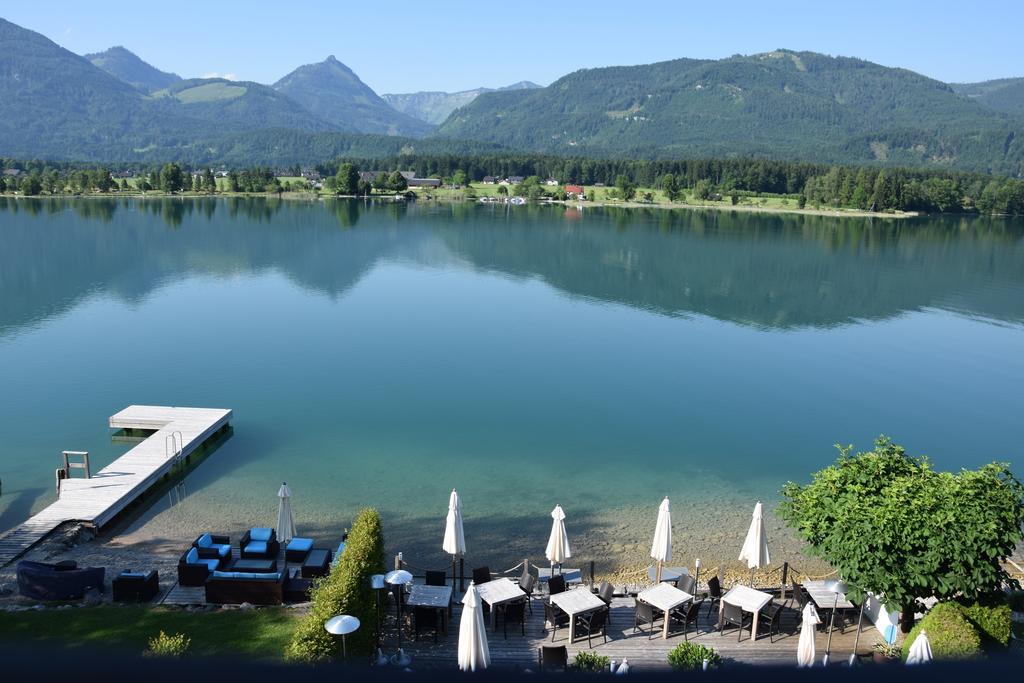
{"points": [[691, 656], [590, 662], [346, 590], [950, 633], [165, 645], [889, 650], [993, 622]]}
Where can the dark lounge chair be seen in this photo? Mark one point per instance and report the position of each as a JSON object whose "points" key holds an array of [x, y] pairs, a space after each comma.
{"points": [[527, 582], [260, 543], [436, 578], [714, 593], [772, 615], [733, 615], [687, 584], [135, 586], [593, 623], [553, 657], [426, 619], [214, 547], [193, 570], [234, 588], [514, 612], [554, 616], [481, 575], [606, 592], [61, 581], [556, 585]]}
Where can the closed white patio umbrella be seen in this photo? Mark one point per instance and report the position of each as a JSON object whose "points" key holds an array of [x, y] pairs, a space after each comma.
{"points": [[473, 651], [661, 548], [920, 651], [285, 521], [454, 539], [805, 646], [755, 547], [558, 551]]}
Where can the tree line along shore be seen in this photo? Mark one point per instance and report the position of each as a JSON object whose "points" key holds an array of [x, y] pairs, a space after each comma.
{"points": [[741, 184]]}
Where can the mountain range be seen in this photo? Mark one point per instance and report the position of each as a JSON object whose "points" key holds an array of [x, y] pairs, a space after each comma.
{"points": [[113, 106], [434, 106]]}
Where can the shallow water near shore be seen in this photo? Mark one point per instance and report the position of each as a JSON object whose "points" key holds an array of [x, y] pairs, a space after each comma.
{"points": [[599, 359]]}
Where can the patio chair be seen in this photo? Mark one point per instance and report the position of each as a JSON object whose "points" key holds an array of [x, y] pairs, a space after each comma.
{"points": [[606, 592], [687, 584], [515, 612], [735, 616], [527, 582], [556, 617], [645, 614], [800, 595], [771, 614], [553, 657], [214, 547], [481, 575], [436, 578], [556, 585], [714, 593], [426, 618], [259, 543], [593, 623], [685, 615]]}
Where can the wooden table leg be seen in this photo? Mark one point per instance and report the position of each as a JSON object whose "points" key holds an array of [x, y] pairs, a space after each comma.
{"points": [[572, 628], [753, 624]]}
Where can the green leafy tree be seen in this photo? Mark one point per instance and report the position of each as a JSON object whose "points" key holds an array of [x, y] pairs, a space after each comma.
{"points": [[460, 178], [398, 182], [171, 178], [503, 190], [702, 190], [670, 186], [625, 186], [892, 525], [31, 185], [209, 181], [234, 184], [347, 180]]}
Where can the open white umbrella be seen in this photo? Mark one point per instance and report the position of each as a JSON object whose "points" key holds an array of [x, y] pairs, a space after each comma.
{"points": [[285, 521], [755, 547], [661, 548], [920, 651], [805, 646], [558, 551], [454, 540], [473, 651]]}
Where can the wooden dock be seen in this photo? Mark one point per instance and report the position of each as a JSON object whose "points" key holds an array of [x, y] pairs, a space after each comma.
{"points": [[103, 496]]}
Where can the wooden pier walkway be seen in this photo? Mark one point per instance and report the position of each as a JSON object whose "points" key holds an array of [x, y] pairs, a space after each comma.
{"points": [[100, 498]]}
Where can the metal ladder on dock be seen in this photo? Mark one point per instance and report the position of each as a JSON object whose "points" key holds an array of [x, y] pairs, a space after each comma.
{"points": [[71, 464]]}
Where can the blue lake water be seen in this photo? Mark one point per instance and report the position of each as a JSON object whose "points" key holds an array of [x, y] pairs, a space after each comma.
{"points": [[600, 359]]}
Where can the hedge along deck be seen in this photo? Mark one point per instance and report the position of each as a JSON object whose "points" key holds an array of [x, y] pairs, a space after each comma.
{"points": [[100, 498]]}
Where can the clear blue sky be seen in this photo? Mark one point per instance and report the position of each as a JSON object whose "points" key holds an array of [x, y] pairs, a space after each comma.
{"points": [[455, 45]]}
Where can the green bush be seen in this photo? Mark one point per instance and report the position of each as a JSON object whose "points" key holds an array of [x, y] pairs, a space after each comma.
{"points": [[691, 656], [993, 622], [346, 590], [590, 662], [950, 633], [165, 645]]}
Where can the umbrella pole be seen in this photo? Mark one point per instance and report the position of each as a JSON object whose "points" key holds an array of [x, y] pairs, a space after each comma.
{"points": [[453, 573], [831, 626], [856, 638], [752, 576]]}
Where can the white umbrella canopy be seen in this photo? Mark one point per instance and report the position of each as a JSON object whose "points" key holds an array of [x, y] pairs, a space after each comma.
{"points": [[473, 651], [285, 520], [920, 651], [755, 547], [805, 646], [558, 543], [454, 538], [661, 547]]}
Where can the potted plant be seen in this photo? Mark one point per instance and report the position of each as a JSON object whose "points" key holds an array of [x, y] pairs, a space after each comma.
{"points": [[590, 662], [886, 653], [691, 657]]}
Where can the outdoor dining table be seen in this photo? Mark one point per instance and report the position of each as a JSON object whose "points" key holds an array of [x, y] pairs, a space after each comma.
{"points": [[498, 592], [747, 599], [825, 599], [434, 597], [665, 597], [577, 601], [669, 574]]}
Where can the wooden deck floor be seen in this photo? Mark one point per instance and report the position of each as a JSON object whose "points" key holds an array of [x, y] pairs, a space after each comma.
{"points": [[646, 654], [100, 498]]}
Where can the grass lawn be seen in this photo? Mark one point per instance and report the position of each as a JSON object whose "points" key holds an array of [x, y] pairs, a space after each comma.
{"points": [[258, 632]]}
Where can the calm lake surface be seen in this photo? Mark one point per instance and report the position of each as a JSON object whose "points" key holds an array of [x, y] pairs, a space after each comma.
{"points": [[382, 354]]}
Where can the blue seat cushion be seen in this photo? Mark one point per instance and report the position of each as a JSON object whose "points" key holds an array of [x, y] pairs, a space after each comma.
{"points": [[256, 547], [272, 576], [205, 541], [134, 575], [337, 553], [260, 534], [210, 564], [300, 544], [192, 557]]}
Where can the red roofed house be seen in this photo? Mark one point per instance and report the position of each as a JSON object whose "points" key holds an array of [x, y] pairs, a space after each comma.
{"points": [[574, 191]]}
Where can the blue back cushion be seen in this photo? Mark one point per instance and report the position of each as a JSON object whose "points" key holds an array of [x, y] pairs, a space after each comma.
{"points": [[274, 576], [205, 541], [259, 534], [193, 556]]}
